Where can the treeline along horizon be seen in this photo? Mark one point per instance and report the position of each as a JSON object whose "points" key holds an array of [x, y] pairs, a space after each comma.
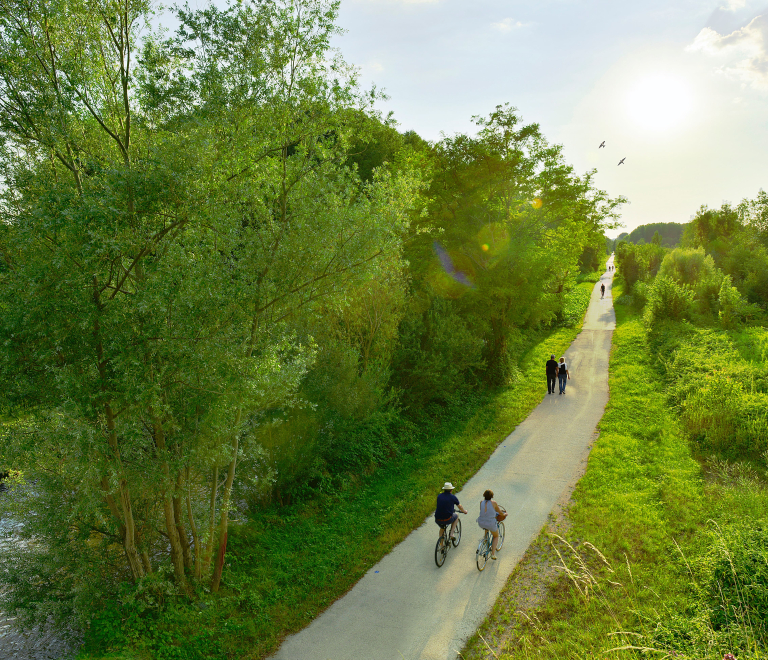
{"points": [[227, 281]]}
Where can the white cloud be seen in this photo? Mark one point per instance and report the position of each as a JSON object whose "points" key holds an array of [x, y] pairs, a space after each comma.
{"points": [[734, 5], [507, 25], [744, 51]]}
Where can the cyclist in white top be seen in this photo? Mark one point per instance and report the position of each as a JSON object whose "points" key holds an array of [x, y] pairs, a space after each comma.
{"points": [[487, 518]]}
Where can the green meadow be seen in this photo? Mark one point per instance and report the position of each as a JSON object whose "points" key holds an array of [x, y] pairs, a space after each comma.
{"points": [[666, 548]]}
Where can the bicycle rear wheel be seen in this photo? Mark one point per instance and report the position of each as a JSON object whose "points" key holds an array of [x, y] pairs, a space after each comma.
{"points": [[482, 554], [501, 536], [457, 534], [441, 550]]}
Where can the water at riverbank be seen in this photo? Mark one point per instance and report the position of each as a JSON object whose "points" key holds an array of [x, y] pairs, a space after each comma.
{"points": [[44, 643]]}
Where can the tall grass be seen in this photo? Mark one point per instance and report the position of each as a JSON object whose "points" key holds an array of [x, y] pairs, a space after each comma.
{"points": [[667, 553]]}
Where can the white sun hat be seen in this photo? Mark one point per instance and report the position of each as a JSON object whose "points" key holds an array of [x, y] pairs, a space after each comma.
{"points": [[448, 486]]}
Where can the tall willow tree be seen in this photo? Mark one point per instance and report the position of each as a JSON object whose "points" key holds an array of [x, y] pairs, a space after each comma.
{"points": [[170, 207]]}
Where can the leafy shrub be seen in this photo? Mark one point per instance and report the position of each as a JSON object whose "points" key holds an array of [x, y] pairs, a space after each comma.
{"points": [[722, 397], [733, 308], [640, 292], [687, 266], [137, 618], [724, 417], [638, 263], [592, 277], [437, 353], [698, 271], [711, 412], [668, 300], [575, 305], [730, 303]]}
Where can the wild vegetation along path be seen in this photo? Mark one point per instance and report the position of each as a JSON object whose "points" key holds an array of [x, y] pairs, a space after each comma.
{"points": [[407, 608]]}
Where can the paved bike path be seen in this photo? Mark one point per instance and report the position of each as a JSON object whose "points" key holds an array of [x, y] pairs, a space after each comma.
{"points": [[405, 608]]}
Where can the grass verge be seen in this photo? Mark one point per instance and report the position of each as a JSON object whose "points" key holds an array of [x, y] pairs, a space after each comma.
{"points": [[649, 528]]}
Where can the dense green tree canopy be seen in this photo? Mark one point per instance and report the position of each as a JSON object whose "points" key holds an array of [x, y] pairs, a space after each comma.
{"points": [[171, 209], [224, 278]]}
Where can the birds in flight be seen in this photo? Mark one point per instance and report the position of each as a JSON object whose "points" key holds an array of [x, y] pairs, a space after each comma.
{"points": [[602, 145]]}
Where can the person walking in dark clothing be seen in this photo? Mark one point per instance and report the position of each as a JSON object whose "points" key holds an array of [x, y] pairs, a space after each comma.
{"points": [[551, 374], [602, 290]]}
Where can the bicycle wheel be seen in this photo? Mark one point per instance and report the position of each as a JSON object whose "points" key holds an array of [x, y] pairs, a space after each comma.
{"points": [[483, 549], [500, 542], [457, 534], [441, 550]]}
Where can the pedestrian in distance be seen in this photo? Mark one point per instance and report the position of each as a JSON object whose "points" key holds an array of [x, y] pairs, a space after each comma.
{"points": [[490, 515], [602, 290], [562, 374], [551, 374]]}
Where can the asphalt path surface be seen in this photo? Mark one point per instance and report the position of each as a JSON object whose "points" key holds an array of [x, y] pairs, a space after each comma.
{"points": [[405, 607]]}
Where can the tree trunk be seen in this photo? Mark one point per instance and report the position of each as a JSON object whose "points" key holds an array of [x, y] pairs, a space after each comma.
{"points": [[177, 554], [224, 524], [179, 517], [193, 528], [131, 552], [146, 562], [211, 522], [129, 536], [112, 505], [118, 516]]}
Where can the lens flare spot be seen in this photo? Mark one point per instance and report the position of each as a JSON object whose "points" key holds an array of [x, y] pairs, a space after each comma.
{"points": [[484, 247], [536, 203]]}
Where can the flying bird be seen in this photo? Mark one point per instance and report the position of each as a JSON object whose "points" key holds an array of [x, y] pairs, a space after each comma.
{"points": [[602, 144], [622, 160]]}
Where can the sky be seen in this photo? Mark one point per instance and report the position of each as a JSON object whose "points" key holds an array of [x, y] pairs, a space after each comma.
{"points": [[679, 88]]}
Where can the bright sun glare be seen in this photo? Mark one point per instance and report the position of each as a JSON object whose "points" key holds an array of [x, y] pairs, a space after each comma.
{"points": [[660, 102]]}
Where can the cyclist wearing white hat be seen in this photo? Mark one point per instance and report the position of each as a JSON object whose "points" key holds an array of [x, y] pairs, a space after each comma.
{"points": [[444, 512]]}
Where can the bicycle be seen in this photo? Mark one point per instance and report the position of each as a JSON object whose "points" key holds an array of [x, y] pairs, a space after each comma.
{"points": [[444, 542], [484, 547]]}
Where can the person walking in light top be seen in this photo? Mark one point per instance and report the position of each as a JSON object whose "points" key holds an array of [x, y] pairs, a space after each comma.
{"points": [[562, 374]]}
